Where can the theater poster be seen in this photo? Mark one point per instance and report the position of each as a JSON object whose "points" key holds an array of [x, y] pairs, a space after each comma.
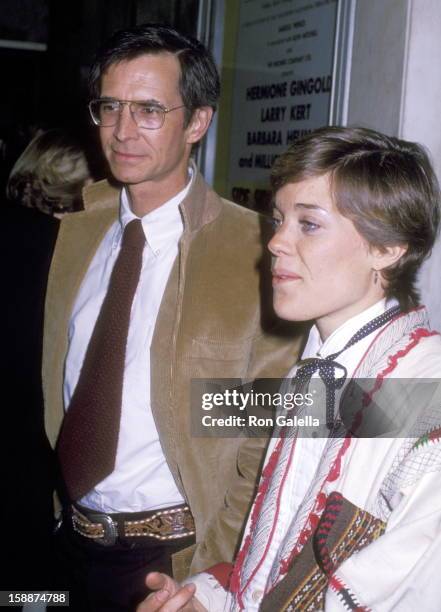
{"points": [[281, 86]]}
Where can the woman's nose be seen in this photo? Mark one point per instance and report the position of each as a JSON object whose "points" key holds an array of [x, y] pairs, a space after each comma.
{"points": [[282, 241]]}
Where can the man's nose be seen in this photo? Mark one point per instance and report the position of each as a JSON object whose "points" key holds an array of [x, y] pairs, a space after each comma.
{"points": [[125, 127]]}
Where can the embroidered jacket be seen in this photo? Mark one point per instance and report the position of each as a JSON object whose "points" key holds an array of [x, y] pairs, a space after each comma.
{"points": [[351, 521]]}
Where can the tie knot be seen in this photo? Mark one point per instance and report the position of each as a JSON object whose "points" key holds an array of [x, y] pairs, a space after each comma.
{"points": [[326, 367], [133, 236]]}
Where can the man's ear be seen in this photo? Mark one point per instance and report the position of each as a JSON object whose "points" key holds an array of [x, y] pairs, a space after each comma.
{"points": [[387, 256], [199, 124]]}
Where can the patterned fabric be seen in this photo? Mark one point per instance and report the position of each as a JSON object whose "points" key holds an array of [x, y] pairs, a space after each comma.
{"points": [[312, 507], [346, 596], [415, 458], [392, 344], [342, 530], [264, 510], [427, 439]]}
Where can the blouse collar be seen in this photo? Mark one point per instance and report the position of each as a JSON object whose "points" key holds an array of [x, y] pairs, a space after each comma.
{"points": [[315, 347]]}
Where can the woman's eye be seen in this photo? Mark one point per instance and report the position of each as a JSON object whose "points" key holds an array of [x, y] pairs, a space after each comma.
{"points": [[308, 226], [276, 223]]}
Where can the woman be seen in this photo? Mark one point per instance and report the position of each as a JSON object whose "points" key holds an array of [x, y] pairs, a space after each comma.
{"points": [[350, 520]]}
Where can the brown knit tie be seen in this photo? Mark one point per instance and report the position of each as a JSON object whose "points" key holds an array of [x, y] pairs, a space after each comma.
{"points": [[89, 436]]}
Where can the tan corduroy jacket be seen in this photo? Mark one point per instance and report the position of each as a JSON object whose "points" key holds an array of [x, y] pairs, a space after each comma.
{"points": [[209, 326]]}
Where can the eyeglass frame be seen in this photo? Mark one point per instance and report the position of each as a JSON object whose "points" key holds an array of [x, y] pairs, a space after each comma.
{"points": [[164, 109]]}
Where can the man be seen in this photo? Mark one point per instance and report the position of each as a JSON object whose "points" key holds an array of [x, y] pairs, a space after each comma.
{"points": [[191, 310]]}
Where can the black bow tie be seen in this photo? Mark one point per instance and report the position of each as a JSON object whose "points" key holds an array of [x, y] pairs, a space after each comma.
{"points": [[327, 367]]}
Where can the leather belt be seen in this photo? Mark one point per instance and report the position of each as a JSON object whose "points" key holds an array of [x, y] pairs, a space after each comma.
{"points": [[164, 525]]}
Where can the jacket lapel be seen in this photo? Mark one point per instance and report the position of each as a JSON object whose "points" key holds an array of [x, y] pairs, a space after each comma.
{"points": [[201, 206], [78, 239]]}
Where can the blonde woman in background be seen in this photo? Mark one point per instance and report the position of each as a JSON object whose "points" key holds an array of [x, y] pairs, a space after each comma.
{"points": [[50, 174]]}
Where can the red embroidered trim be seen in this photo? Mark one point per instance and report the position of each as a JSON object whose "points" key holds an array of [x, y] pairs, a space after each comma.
{"points": [[327, 520], [276, 514], [319, 504], [263, 487], [346, 595], [403, 314], [415, 338]]}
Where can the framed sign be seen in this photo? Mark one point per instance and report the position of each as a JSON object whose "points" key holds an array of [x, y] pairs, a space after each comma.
{"points": [[281, 86]]}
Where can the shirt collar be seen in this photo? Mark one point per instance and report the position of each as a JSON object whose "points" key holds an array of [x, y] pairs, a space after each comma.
{"points": [[160, 225], [315, 347]]}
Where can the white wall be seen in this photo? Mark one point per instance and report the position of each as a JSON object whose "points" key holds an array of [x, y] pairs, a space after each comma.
{"points": [[377, 64], [395, 87], [421, 118]]}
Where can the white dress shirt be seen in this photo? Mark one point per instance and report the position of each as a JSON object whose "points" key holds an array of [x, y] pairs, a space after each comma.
{"points": [[141, 479]]}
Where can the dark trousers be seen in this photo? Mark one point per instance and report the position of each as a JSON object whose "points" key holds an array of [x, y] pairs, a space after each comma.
{"points": [[108, 579]]}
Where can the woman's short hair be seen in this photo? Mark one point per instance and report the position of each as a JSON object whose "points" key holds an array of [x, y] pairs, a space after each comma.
{"points": [[50, 173], [384, 185]]}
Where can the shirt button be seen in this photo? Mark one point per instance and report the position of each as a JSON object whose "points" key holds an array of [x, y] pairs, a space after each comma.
{"points": [[257, 596]]}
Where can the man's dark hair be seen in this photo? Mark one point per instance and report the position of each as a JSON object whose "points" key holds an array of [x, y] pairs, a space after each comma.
{"points": [[199, 83], [384, 185]]}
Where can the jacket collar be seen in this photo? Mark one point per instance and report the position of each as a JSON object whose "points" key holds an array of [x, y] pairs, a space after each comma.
{"points": [[199, 207], [101, 195]]}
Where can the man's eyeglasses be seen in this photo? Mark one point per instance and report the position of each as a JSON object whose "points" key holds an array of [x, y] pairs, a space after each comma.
{"points": [[105, 112]]}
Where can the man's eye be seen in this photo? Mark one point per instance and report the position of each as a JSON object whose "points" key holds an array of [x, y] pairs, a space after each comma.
{"points": [[109, 107], [276, 223], [149, 109]]}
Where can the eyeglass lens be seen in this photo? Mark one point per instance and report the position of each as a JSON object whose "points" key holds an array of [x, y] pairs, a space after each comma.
{"points": [[106, 113]]}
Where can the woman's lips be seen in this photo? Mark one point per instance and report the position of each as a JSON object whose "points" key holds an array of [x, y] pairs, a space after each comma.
{"points": [[284, 276]]}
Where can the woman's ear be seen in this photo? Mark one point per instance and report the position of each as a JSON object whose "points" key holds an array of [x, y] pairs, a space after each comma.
{"points": [[387, 256]]}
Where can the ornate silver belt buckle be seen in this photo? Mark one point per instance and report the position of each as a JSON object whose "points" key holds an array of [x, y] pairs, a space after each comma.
{"points": [[109, 527]]}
